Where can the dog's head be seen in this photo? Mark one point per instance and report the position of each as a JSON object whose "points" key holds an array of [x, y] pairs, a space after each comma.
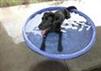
{"points": [[47, 20], [49, 17]]}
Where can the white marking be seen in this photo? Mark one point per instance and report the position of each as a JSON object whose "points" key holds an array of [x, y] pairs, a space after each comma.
{"points": [[73, 23]]}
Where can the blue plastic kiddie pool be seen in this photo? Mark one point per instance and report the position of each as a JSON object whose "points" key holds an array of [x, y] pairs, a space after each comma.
{"points": [[74, 43]]}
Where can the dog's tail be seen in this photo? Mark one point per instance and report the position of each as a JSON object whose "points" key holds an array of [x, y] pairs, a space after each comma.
{"points": [[70, 8]]}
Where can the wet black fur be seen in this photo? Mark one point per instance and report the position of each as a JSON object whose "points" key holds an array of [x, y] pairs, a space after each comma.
{"points": [[53, 22]]}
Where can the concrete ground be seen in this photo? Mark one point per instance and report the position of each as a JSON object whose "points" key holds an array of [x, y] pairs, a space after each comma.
{"points": [[15, 56]]}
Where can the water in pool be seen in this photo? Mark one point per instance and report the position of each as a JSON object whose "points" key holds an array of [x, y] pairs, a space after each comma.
{"points": [[73, 40]]}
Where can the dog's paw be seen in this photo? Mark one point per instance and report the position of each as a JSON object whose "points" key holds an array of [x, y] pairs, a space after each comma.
{"points": [[42, 48], [60, 49]]}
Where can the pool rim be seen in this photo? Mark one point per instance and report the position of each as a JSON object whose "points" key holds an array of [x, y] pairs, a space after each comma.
{"points": [[59, 56]]}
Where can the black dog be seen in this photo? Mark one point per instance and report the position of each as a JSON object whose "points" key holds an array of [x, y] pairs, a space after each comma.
{"points": [[51, 22]]}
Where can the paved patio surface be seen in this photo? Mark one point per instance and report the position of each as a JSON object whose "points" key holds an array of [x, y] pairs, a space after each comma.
{"points": [[15, 56]]}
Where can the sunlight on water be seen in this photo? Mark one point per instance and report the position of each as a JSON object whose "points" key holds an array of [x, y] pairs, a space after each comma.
{"points": [[73, 40]]}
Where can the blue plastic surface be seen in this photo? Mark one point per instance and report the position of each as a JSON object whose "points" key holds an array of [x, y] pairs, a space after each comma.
{"points": [[74, 43]]}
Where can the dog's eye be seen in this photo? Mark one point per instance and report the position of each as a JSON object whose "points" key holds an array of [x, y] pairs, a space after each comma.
{"points": [[56, 18], [46, 18]]}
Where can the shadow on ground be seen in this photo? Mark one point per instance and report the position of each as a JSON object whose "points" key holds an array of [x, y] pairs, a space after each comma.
{"points": [[91, 60], [17, 57], [95, 68], [50, 66]]}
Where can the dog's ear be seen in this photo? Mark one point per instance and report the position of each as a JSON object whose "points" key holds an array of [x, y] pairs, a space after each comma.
{"points": [[67, 14], [46, 14], [51, 14]]}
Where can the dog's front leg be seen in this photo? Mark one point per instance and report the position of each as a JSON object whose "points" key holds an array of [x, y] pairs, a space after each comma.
{"points": [[43, 41], [60, 42]]}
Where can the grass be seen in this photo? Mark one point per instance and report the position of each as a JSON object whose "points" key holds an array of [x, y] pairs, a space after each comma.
{"points": [[5, 3]]}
